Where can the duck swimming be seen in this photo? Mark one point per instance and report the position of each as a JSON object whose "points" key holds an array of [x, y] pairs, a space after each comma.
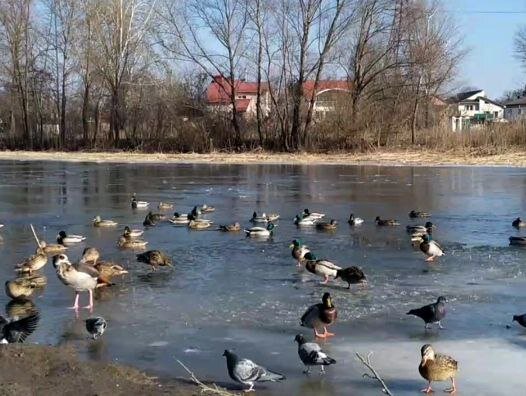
{"points": [[179, 219], [149, 220], [199, 224], [260, 232], [320, 316], [330, 226], [386, 222], [132, 234], [307, 213], [305, 221], [165, 206], [98, 222], [518, 223], [230, 227], [354, 221], [415, 214], [138, 204], [65, 239], [259, 219], [125, 243]]}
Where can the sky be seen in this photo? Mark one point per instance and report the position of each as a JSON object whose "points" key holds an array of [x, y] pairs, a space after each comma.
{"points": [[488, 28]]}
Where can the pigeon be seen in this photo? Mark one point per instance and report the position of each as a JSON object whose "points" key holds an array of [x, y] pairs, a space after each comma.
{"points": [[17, 330], [311, 354], [96, 326], [520, 319], [247, 372], [432, 313]]}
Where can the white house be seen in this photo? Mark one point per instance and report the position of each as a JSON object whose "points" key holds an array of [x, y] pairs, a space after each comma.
{"points": [[474, 107], [515, 109]]}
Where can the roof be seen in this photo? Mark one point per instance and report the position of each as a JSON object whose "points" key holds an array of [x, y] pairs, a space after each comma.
{"points": [[219, 89], [325, 85], [515, 102], [463, 96]]}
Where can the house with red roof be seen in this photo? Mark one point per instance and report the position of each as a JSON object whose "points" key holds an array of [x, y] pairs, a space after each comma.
{"points": [[219, 91], [327, 94]]}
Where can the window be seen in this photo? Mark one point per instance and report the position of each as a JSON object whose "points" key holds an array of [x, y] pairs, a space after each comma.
{"points": [[469, 107], [496, 114], [476, 107]]}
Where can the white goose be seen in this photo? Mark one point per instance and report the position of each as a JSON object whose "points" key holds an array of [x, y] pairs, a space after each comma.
{"points": [[77, 280]]}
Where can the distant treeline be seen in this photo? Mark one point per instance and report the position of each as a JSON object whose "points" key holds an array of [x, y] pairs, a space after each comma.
{"points": [[132, 74]]}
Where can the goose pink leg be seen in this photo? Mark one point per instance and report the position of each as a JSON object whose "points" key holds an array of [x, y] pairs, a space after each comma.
{"points": [[76, 305], [90, 306]]}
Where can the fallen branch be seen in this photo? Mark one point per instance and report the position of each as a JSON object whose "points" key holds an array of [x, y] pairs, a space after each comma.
{"points": [[367, 363], [205, 388], [35, 235]]}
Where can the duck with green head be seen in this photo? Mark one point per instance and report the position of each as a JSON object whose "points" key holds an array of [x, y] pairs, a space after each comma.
{"points": [[323, 268], [320, 316], [298, 250], [431, 248], [261, 232]]}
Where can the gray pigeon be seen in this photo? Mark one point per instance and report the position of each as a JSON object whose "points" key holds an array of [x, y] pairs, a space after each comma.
{"points": [[432, 313], [96, 326], [311, 354], [247, 372], [12, 331]]}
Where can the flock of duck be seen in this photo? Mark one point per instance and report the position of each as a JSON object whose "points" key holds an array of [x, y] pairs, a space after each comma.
{"points": [[90, 272]]}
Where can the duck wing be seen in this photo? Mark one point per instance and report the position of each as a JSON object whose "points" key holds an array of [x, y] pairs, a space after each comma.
{"points": [[18, 330], [311, 315], [446, 363], [327, 264]]}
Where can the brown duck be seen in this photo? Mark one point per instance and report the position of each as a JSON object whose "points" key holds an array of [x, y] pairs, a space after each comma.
{"points": [[155, 258], [106, 269], [437, 367]]}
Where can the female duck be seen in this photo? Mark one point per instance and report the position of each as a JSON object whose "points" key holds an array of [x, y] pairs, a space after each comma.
{"points": [[20, 288], [124, 243], [320, 316], [230, 227], [354, 221], [330, 226], [323, 268], [65, 239], [155, 258], [52, 248], [261, 232], [165, 206], [415, 214], [199, 225], [437, 367], [351, 275], [107, 270], [207, 209], [98, 222], [33, 263], [386, 222]]}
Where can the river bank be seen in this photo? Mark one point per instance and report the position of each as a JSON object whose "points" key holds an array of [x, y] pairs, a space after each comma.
{"points": [[389, 158], [45, 370]]}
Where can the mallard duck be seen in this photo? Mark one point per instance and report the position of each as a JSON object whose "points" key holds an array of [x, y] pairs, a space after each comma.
{"points": [[124, 243], [155, 258], [149, 221], [37, 280], [259, 219], [158, 217], [298, 250], [138, 204], [422, 229], [230, 227], [207, 209], [14, 330], [96, 326], [437, 367], [387, 222], [165, 206], [330, 226], [305, 221], [320, 316], [520, 319], [415, 214], [314, 215], [20, 308], [518, 223], [354, 221], [65, 239], [351, 275], [19, 289], [431, 313], [98, 222], [179, 219], [132, 234], [311, 354], [247, 372], [261, 232], [323, 268], [517, 241], [33, 263], [199, 224], [106, 269], [195, 213], [430, 248], [77, 280], [52, 248]]}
